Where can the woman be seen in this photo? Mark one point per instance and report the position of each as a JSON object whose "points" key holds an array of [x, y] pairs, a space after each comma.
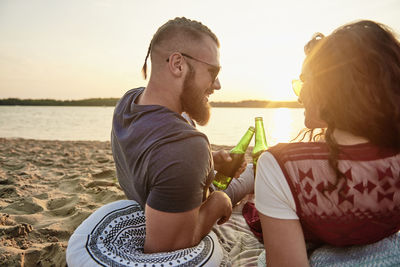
{"points": [[344, 189]]}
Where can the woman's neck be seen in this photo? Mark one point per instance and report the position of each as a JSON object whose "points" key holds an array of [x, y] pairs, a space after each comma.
{"points": [[346, 138]]}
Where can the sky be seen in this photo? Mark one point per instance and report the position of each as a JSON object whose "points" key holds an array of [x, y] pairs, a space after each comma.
{"points": [[80, 49]]}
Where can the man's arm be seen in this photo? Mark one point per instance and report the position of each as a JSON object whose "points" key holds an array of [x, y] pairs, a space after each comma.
{"points": [[167, 231]]}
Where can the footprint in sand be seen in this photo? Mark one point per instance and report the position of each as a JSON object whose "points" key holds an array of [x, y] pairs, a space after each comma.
{"points": [[13, 165], [71, 176], [42, 257], [102, 159], [71, 185], [22, 229], [104, 174], [76, 219], [100, 183], [57, 203], [8, 192], [107, 195], [62, 206], [45, 162], [5, 181], [23, 206], [56, 232], [105, 178], [42, 196]]}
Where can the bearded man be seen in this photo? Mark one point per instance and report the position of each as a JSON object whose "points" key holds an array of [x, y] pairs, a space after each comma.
{"points": [[162, 161]]}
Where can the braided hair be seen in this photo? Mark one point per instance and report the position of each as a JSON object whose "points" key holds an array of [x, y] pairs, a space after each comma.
{"points": [[180, 26]]}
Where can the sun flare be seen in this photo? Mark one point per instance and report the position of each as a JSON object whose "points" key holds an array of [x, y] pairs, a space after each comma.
{"points": [[281, 126]]}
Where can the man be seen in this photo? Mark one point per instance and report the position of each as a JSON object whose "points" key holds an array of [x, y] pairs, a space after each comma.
{"points": [[162, 161]]}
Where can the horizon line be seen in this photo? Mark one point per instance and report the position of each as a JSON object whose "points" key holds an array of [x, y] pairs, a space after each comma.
{"points": [[116, 98]]}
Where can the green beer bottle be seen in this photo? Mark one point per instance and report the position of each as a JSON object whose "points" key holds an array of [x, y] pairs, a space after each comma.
{"points": [[260, 144], [224, 176]]}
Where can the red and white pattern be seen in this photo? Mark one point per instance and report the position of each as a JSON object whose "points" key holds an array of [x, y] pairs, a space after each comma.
{"points": [[362, 208]]}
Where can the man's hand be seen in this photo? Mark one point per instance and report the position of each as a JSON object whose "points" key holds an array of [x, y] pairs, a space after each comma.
{"points": [[218, 203], [220, 157]]}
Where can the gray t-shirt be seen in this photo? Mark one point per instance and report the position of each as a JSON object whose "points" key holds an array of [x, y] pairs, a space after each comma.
{"points": [[160, 158]]}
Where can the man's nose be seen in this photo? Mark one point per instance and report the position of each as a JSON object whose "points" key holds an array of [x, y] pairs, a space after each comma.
{"points": [[216, 84]]}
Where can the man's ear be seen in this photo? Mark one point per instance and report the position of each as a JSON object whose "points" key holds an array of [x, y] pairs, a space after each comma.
{"points": [[175, 64]]}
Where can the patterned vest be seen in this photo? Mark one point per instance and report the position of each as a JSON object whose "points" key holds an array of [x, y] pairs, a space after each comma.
{"points": [[363, 208]]}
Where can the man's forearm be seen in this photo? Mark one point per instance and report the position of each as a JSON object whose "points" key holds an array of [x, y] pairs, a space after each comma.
{"points": [[216, 208]]}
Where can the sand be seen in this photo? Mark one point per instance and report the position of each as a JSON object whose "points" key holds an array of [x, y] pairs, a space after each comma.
{"points": [[47, 188]]}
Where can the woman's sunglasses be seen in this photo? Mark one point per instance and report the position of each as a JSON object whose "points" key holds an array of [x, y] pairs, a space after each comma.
{"points": [[297, 84]]}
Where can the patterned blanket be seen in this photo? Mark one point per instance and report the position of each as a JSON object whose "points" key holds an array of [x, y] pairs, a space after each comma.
{"points": [[114, 236]]}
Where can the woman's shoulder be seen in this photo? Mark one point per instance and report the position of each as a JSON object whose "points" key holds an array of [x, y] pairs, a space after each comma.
{"points": [[320, 150], [299, 148]]}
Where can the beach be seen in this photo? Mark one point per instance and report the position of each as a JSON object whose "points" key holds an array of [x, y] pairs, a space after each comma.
{"points": [[47, 188]]}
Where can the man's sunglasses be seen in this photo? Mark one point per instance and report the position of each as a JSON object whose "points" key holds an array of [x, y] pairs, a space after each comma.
{"points": [[213, 70]]}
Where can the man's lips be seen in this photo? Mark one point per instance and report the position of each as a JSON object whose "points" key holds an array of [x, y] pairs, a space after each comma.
{"points": [[208, 93]]}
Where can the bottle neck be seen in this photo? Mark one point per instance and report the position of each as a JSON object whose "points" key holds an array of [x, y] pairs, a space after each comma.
{"points": [[260, 139], [243, 144]]}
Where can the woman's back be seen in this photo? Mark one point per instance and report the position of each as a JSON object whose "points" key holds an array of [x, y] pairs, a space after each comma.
{"points": [[362, 208]]}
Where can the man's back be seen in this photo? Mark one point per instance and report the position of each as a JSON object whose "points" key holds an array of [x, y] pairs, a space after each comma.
{"points": [[160, 159]]}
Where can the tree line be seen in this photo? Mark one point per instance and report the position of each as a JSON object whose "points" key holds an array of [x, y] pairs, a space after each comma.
{"points": [[111, 102], [257, 104], [52, 102]]}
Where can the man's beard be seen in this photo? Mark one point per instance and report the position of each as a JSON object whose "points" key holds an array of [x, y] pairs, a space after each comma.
{"points": [[192, 100]]}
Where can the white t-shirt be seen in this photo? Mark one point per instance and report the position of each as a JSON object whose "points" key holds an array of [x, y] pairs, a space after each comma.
{"points": [[272, 193]]}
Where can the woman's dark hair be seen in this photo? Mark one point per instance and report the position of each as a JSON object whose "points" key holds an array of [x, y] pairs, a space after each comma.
{"points": [[355, 75]]}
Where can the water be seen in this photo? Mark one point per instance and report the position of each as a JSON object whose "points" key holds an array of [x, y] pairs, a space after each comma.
{"points": [[226, 126]]}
